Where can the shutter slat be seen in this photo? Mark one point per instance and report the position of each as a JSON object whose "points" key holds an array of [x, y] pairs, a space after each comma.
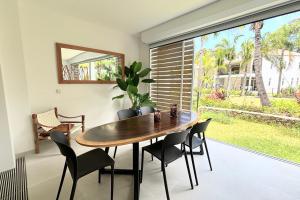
{"points": [[172, 69]]}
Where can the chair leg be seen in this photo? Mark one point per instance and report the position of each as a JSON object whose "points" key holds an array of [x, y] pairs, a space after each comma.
{"points": [[188, 168], [112, 183], [69, 139], [37, 146], [142, 165], [115, 152], [201, 146], [61, 181], [151, 154], [165, 181], [73, 189], [193, 163], [205, 145], [99, 176]]}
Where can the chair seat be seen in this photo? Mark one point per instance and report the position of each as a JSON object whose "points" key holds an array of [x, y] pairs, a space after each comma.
{"points": [[93, 160], [172, 153], [196, 142]]}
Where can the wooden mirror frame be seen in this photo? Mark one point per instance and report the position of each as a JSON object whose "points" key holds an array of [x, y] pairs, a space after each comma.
{"points": [[59, 46]]}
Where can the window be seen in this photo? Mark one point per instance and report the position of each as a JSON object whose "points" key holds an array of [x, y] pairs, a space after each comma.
{"points": [[172, 70]]}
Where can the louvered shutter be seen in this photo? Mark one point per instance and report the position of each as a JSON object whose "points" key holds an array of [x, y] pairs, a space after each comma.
{"points": [[172, 69]]}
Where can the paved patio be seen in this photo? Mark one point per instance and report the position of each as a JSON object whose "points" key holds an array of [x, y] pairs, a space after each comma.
{"points": [[237, 174]]}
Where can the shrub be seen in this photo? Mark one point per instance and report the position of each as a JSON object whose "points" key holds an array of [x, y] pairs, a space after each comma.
{"points": [[297, 95], [218, 95], [280, 106], [235, 92], [288, 92]]}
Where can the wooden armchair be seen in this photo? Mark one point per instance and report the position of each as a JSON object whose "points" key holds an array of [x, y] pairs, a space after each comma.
{"points": [[47, 122]]}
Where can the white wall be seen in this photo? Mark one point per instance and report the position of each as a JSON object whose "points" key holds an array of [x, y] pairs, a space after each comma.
{"points": [[7, 160], [14, 79], [40, 30]]}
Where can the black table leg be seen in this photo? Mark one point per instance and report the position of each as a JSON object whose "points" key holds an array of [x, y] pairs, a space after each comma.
{"points": [[136, 171], [107, 149]]}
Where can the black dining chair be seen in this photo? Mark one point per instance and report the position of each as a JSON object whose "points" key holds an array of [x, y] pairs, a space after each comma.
{"points": [[193, 141], [145, 110], [166, 151], [124, 114], [83, 164]]}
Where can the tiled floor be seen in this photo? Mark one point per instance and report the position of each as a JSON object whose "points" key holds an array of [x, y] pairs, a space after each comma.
{"points": [[237, 175]]}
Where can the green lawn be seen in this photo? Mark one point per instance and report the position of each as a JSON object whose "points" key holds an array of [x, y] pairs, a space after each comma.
{"points": [[274, 140]]}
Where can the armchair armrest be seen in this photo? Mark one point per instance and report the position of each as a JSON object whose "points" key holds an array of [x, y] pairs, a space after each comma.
{"points": [[72, 121], [69, 117]]}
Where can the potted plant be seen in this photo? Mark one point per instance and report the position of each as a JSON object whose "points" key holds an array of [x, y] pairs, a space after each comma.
{"points": [[133, 76], [297, 95]]}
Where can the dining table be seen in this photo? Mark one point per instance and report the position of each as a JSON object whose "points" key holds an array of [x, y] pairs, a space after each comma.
{"points": [[133, 131]]}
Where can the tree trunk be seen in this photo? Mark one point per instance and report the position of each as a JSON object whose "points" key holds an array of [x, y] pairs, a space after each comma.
{"points": [[244, 81], [280, 72], [258, 66], [228, 80], [250, 77]]}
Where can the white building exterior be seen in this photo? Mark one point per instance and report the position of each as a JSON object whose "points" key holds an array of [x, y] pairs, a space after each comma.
{"points": [[270, 74], [290, 75]]}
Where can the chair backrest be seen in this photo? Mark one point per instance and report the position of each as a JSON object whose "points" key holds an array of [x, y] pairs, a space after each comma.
{"points": [[175, 138], [147, 109], [62, 142], [48, 118], [126, 113], [200, 127]]}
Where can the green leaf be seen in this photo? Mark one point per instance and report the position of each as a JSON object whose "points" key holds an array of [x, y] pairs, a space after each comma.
{"points": [[127, 71], [132, 89], [118, 97], [120, 71], [136, 80], [132, 66], [144, 72], [148, 81], [122, 84], [137, 67], [116, 86]]}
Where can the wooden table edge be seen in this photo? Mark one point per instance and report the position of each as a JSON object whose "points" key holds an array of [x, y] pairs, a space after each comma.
{"points": [[80, 140]]}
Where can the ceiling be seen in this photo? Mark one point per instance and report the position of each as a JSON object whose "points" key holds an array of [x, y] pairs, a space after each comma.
{"points": [[131, 16]]}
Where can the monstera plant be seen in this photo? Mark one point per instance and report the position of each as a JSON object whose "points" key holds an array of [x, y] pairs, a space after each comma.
{"points": [[134, 75]]}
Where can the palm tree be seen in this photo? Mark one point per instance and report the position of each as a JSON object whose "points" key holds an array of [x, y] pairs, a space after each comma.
{"points": [[277, 43], [264, 99], [229, 52], [246, 56]]}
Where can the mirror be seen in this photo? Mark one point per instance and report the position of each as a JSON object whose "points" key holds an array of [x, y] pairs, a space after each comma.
{"points": [[77, 64]]}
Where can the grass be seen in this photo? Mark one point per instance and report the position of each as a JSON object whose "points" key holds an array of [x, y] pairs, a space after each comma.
{"points": [[275, 140]]}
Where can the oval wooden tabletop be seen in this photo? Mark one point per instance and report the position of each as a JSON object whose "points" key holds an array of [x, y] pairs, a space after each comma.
{"points": [[135, 129]]}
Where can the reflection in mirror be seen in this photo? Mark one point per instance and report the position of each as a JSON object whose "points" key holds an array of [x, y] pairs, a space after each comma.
{"points": [[84, 65]]}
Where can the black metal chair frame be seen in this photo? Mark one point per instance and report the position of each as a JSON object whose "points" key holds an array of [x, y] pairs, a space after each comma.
{"points": [[122, 115], [167, 152], [76, 169], [193, 142]]}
